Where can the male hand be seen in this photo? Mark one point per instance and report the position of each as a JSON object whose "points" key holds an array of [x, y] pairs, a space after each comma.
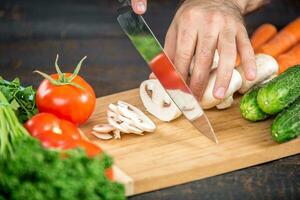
{"points": [[197, 30]]}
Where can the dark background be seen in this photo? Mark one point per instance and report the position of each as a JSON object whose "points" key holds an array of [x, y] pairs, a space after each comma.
{"points": [[32, 32]]}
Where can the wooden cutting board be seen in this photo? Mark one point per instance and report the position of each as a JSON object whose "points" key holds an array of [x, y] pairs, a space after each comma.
{"points": [[177, 153]]}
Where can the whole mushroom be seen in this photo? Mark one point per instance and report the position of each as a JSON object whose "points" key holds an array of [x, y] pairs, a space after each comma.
{"points": [[209, 101], [267, 68]]}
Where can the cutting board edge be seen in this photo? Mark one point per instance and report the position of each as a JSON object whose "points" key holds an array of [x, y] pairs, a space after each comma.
{"points": [[145, 186]]}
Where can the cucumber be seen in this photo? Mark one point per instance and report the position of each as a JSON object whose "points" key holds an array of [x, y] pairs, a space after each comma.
{"points": [[249, 107], [280, 92], [286, 125]]}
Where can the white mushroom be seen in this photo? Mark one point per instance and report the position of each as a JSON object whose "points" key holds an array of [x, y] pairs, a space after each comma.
{"points": [[142, 121], [117, 134], [131, 128], [117, 125], [214, 64], [226, 103], [103, 128], [103, 136], [157, 102], [209, 101], [266, 68]]}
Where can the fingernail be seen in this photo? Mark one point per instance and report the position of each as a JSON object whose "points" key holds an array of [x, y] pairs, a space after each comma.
{"points": [[141, 7], [220, 93], [251, 73]]}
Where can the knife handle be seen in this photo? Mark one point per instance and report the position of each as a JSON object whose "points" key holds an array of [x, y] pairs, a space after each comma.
{"points": [[124, 2], [124, 7]]}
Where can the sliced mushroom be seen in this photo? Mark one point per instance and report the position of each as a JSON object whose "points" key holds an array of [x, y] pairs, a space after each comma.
{"points": [[142, 122], [117, 134], [209, 101], [103, 136], [131, 128], [103, 128], [157, 102], [117, 125], [267, 67]]}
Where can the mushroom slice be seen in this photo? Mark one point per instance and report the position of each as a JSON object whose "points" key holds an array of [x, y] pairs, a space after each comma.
{"points": [[209, 101], [226, 103], [114, 108], [103, 128], [117, 134], [103, 136], [266, 65], [142, 121], [157, 102], [115, 124], [131, 129]]}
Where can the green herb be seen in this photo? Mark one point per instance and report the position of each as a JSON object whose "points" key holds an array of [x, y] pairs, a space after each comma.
{"points": [[21, 99], [10, 128], [36, 173]]}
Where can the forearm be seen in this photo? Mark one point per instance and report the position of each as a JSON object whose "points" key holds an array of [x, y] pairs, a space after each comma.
{"points": [[245, 6], [250, 5]]}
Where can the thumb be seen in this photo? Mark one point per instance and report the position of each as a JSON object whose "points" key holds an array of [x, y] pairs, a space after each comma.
{"points": [[139, 6]]}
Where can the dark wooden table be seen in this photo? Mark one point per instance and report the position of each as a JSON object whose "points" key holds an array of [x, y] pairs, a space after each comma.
{"points": [[32, 32]]}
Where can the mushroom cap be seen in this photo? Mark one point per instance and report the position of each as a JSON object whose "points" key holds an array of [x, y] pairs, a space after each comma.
{"points": [[266, 65]]}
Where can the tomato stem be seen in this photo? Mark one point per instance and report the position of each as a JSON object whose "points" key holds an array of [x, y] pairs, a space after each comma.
{"points": [[57, 67], [62, 79], [77, 69]]}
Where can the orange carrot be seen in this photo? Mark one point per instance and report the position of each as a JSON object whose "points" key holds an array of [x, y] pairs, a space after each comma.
{"points": [[262, 35], [285, 39], [289, 59]]}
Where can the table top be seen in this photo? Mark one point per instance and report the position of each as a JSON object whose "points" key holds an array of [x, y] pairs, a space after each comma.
{"points": [[32, 32]]}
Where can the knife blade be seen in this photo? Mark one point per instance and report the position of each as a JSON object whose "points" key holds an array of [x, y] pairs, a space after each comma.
{"points": [[150, 49]]}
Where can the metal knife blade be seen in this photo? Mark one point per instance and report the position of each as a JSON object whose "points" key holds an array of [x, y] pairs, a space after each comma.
{"points": [[150, 49]]}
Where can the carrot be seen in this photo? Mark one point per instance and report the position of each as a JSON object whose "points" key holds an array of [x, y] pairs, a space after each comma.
{"points": [[262, 35], [289, 59], [285, 39]]}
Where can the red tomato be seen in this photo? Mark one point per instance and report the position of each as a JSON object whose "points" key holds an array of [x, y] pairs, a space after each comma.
{"points": [[90, 148], [52, 131], [109, 173], [67, 101]]}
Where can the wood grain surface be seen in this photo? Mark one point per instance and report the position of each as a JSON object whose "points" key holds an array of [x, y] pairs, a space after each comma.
{"points": [[177, 153]]}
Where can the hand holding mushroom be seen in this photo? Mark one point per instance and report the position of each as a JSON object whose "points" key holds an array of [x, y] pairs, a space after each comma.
{"points": [[158, 103]]}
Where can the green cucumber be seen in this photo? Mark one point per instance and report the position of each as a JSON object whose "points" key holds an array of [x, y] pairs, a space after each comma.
{"points": [[280, 92], [286, 125], [249, 107]]}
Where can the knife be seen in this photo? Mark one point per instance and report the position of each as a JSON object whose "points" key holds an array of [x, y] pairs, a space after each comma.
{"points": [[150, 49]]}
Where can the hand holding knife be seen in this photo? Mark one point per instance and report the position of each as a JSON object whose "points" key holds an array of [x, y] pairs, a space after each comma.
{"points": [[150, 49]]}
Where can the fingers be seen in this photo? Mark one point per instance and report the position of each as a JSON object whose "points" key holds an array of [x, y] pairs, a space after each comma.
{"points": [[227, 49], [247, 54], [139, 6], [170, 44], [185, 48], [205, 50]]}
